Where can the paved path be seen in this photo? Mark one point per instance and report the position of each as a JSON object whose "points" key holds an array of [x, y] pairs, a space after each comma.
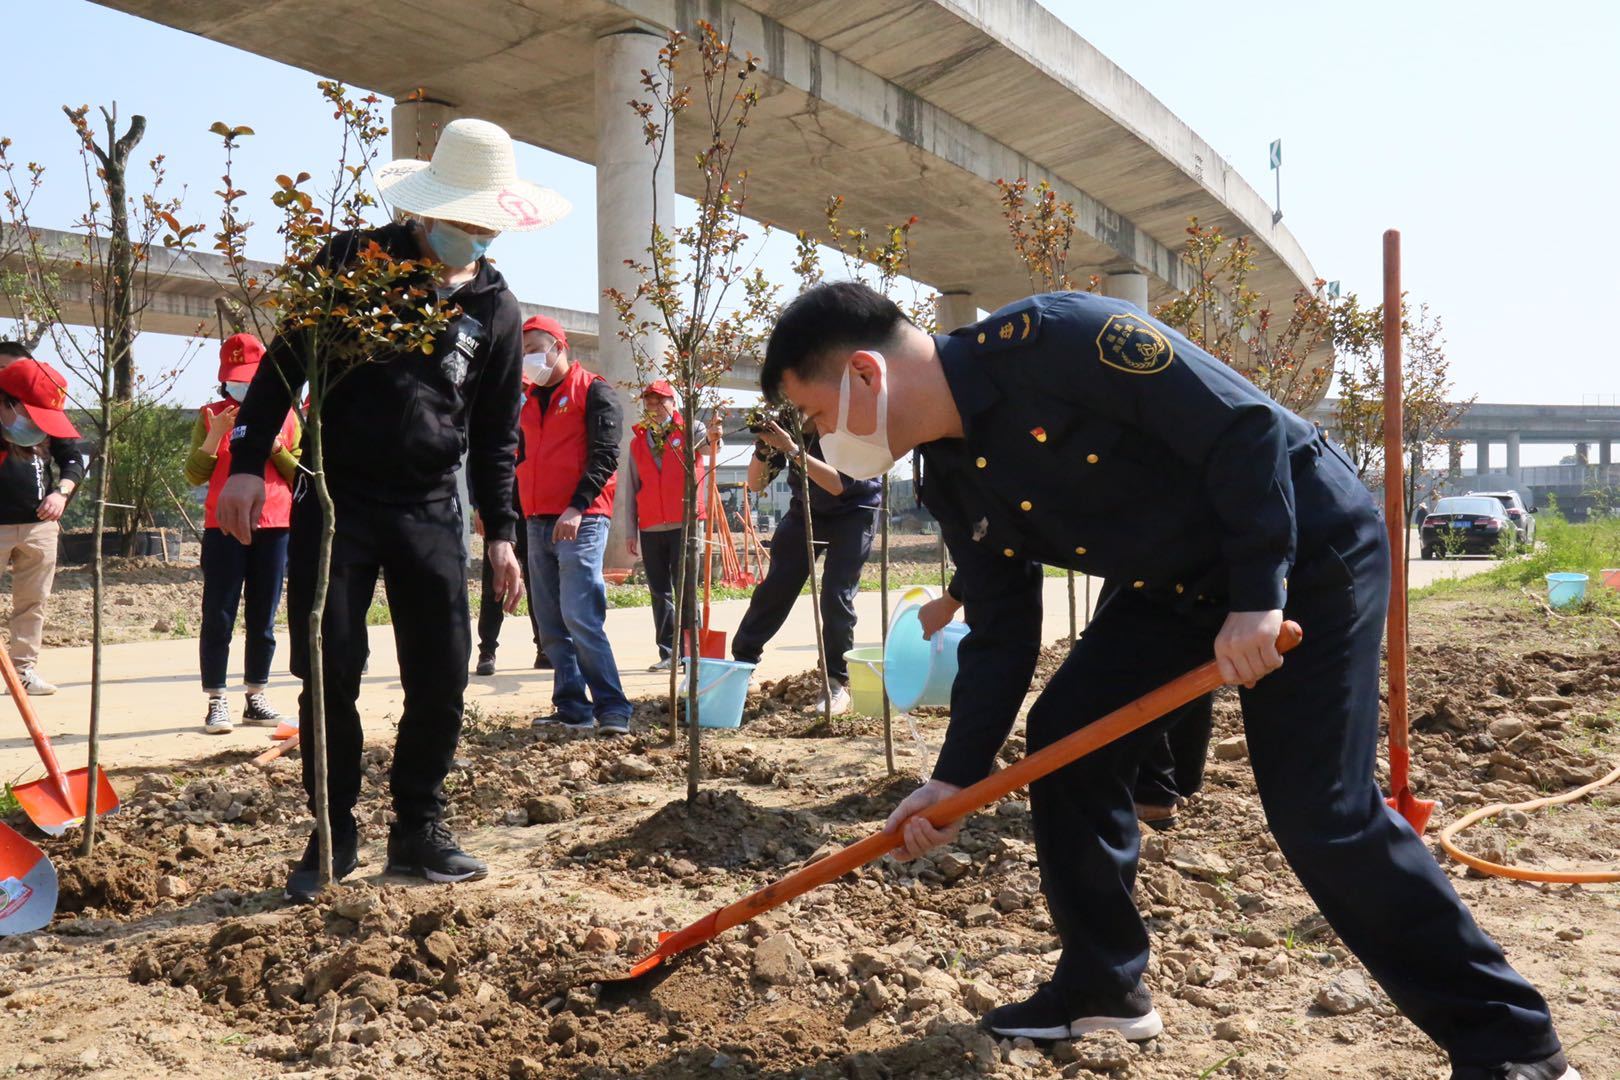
{"points": [[153, 707]]}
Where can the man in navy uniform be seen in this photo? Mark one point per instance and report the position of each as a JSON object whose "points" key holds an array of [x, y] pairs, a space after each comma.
{"points": [[1073, 430]]}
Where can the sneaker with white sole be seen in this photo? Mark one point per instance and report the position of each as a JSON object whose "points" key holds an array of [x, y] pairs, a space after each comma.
{"points": [[840, 701], [662, 665], [584, 723], [431, 851], [33, 685], [1556, 1067], [218, 720], [1045, 1017], [613, 725], [258, 712]]}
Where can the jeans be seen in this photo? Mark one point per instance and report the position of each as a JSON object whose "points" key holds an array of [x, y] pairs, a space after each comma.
{"points": [[849, 542], [570, 600], [661, 556], [417, 548], [233, 572]]}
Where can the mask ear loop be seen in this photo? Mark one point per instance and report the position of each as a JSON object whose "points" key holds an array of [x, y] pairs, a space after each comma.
{"points": [[881, 423]]}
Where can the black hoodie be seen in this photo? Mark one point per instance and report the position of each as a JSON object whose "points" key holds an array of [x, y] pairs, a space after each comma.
{"points": [[395, 428]]}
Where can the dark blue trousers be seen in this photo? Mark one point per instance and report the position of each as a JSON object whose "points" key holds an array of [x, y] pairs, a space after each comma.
{"points": [[1172, 768], [1313, 735], [234, 572]]}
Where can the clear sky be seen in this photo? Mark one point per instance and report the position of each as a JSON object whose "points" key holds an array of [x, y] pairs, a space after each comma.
{"points": [[1486, 133]]}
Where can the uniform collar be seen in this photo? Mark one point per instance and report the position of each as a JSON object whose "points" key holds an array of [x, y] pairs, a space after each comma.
{"points": [[971, 388]]}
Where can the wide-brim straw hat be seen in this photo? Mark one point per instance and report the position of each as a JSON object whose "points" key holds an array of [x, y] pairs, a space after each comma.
{"points": [[473, 179]]}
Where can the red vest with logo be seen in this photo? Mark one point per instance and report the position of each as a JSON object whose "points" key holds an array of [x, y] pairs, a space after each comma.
{"points": [[277, 512], [555, 449], [662, 490]]}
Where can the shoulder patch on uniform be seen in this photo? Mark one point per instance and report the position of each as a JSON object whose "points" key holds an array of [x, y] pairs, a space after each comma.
{"points": [[1131, 343], [1004, 330]]}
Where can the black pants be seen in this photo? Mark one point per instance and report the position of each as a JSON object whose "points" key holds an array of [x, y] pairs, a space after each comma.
{"points": [[417, 548], [234, 572], [661, 555], [1312, 730], [1172, 767], [490, 614], [849, 542]]}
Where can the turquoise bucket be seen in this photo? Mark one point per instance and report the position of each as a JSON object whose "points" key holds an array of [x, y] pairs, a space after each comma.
{"points": [[1566, 590], [918, 672], [722, 691]]}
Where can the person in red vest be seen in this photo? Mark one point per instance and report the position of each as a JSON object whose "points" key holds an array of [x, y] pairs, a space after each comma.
{"points": [[658, 477], [566, 478], [231, 569]]}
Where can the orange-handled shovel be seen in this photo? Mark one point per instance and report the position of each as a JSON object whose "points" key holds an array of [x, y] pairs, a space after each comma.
{"points": [[711, 643], [57, 802], [1122, 721]]}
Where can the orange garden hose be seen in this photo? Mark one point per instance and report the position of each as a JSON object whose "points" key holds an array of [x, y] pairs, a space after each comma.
{"points": [[1484, 866]]}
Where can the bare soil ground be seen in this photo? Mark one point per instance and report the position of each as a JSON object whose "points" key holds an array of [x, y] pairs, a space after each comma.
{"points": [[173, 954]]}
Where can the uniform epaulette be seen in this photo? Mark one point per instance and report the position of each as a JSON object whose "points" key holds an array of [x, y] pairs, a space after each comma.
{"points": [[1004, 330]]}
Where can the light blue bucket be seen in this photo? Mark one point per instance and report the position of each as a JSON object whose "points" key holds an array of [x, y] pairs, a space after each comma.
{"points": [[919, 672], [722, 691], [1566, 590]]}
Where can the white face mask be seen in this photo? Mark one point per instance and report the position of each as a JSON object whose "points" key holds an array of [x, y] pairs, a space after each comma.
{"points": [[237, 390], [537, 366], [861, 457]]}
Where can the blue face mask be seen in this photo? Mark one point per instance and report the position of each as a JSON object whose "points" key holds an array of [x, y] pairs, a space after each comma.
{"points": [[23, 432], [456, 247], [237, 390]]}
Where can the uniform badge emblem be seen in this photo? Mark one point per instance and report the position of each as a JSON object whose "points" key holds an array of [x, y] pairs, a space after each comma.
{"points": [[562, 403], [981, 529], [1006, 331], [1132, 344]]}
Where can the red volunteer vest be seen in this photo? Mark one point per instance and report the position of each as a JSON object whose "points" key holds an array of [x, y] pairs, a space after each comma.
{"points": [[662, 491], [554, 449], [277, 512]]}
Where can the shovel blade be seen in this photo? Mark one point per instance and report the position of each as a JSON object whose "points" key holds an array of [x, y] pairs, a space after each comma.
{"points": [[42, 800], [27, 885], [1416, 811], [712, 644]]}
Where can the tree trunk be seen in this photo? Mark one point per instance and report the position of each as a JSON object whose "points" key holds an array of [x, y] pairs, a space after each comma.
{"points": [[120, 341], [87, 845], [681, 630], [815, 590], [689, 571], [317, 661], [883, 589]]}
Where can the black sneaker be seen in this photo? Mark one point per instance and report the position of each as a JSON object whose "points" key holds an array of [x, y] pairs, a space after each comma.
{"points": [[1044, 1016], [584, 723], [303, 884], [217, 721], [1556, 1067], [431, 851], [613, 725], [258, 712], [486, 664], [542, 662]]}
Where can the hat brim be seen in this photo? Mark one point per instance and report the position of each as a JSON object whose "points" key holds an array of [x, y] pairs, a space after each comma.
{"points": [[519, 206], [53, 422], [242, 372]]}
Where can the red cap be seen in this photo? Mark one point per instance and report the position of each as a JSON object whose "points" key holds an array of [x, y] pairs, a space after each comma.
{"points": [[42, 392], [659, 388], [239, 357], [548, 325]]}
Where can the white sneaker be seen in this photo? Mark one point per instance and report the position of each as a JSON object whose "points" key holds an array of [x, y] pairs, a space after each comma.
{"points": [[662, 665], [840, 701], [218, 720], [32, 684]]}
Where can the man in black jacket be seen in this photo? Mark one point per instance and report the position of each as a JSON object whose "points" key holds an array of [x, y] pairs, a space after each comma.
{"points": [[393, 434]]}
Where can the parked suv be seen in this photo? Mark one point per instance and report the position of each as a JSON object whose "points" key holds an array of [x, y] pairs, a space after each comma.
{"points": [[1466, 524], [1523, 517]]}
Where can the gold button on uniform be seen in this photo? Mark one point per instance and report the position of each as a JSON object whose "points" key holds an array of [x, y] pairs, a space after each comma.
{"points": [[980, 462], [1091, 459], [1079, 551], [1137, 584], [1007, 552], [981, 339], [1180, 589], [1026, 505]]}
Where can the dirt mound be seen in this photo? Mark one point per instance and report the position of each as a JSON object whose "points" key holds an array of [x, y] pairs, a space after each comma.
{"points": [[118, 879], [718, 829]]}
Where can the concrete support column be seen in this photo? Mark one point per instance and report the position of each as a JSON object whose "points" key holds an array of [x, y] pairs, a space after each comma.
{"points": [[1454, 455], [414, 127], [628, 198], [1482, 457], [1129, 285], [1513, 459], [1605, 452], [1583, 453], [954, 309]]}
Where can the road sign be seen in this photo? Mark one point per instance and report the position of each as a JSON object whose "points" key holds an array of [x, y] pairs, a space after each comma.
{"points": [[1276, 153]]}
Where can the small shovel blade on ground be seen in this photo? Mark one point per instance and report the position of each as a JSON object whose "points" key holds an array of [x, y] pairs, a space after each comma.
{"points": [[27, 885], [1122, 721], [58, 801]]}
